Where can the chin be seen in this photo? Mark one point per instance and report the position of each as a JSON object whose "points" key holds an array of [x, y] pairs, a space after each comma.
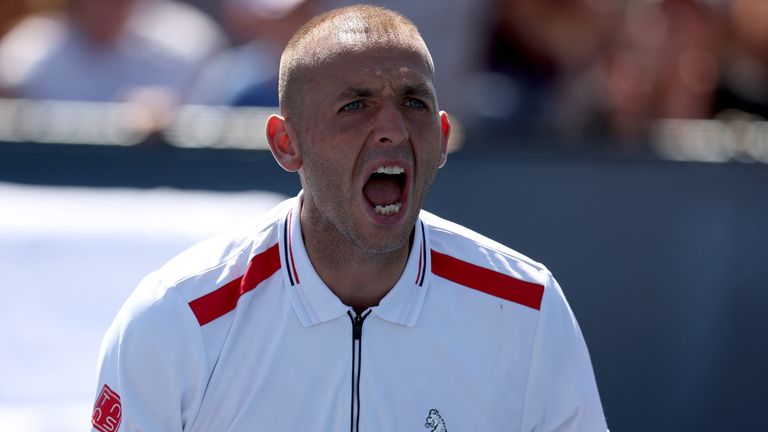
{"points": [[387, 239]]}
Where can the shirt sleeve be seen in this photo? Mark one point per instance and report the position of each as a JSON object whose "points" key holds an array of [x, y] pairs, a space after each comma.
{"points": [[152, 365], [562, 393]]}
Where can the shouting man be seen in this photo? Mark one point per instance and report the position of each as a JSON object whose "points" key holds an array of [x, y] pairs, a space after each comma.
{"points": [[348, 307]]}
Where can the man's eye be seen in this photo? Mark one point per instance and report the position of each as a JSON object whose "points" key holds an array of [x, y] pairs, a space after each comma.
{"points": [[352, 106], [414, 103]]}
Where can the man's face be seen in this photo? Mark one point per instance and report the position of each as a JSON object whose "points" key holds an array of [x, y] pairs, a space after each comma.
{"points": [[371, 141]]}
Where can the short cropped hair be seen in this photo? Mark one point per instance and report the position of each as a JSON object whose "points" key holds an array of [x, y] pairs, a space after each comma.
{"points": [[355, 27]]}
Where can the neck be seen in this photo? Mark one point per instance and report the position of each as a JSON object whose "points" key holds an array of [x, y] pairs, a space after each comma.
{"points": [[358, 279]]}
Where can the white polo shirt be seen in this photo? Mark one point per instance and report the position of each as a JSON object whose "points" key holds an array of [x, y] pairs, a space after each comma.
{"points": [[239, 333]]}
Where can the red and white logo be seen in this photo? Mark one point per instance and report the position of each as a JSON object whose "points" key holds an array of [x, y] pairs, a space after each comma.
{"points": [[107, 412]]}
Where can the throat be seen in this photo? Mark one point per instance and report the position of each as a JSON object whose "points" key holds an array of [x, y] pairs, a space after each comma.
{"points": [[368, 282], [358, 279], [383, 190]]}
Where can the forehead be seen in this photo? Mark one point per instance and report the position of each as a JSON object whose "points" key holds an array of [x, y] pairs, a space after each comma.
{"points": [[382, 64]]}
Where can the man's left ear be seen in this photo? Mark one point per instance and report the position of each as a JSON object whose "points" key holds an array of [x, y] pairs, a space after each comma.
{"points": [[284, 147], [445, 129]]}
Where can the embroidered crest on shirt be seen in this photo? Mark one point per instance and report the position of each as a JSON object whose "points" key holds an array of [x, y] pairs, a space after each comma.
{"points": [[107, 412], [435, 421]]}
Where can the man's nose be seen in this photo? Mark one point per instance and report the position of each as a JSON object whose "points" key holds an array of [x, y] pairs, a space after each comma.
{"points": [[390, 127]]}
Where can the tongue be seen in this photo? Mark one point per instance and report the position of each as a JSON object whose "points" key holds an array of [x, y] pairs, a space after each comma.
{"points": [[382, 191]]}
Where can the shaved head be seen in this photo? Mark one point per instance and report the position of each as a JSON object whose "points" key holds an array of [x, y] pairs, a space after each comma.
{"points": [[349, 29]]}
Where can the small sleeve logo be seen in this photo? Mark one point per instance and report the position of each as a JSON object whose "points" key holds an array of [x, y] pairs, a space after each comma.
{"points": [[435, 421], [107, 412]]}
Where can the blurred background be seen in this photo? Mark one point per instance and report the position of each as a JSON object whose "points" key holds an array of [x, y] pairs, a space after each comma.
{"points": [[624, 143]]}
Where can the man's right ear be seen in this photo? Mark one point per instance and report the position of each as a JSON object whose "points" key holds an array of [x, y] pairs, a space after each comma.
{"points": [[284, 147]]}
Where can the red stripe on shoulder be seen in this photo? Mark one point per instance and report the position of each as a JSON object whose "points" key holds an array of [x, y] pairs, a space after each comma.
{"points": [[224, 299], [487, 281]]}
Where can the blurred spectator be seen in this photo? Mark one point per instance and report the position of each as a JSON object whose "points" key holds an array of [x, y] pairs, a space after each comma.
{"points": [[538, 53], [663, 64], [13, 11], [246, 75], [744, 74], [107, 50], [571, 71], [10, 12]]}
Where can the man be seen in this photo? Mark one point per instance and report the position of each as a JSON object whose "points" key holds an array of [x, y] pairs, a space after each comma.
{"points": [[347, 307]]}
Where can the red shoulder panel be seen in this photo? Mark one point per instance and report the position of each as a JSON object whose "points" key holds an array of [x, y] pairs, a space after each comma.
{"points": [[487, 281], [223, 300]]}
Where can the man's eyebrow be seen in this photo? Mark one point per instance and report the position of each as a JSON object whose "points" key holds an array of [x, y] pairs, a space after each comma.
{"points": [[420, 89], [355, 92]]}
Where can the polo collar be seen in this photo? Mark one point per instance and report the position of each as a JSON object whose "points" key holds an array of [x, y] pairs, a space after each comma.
{"points": [[315, 303]]}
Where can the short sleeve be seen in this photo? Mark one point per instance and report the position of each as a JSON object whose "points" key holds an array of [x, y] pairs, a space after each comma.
{"points": [[562, 394], [152, 365]]}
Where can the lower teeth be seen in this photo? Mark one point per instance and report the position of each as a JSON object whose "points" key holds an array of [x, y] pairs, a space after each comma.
{"points": [[388, 210]]}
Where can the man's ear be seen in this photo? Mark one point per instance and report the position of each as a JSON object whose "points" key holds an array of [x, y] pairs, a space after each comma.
{"points": [[445, 129], [283, 144]]}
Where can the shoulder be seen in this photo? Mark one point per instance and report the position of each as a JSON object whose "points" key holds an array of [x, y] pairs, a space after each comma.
{"points": [[462, 243], [207, 266], [217, 260], [476, 261], [160, 321]]}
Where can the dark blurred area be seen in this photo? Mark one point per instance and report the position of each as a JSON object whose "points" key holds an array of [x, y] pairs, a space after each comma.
{"points": [[624, 143]]}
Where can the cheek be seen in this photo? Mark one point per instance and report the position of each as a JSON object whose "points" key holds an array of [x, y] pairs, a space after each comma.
{"points": [[335, 151], [327, 166], [428, 147]]}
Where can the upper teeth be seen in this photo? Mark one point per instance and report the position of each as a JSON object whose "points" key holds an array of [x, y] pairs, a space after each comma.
{"points": [[390, 170]]}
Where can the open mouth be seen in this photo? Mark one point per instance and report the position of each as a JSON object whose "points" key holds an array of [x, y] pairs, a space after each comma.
{"points": [[384, 190]]}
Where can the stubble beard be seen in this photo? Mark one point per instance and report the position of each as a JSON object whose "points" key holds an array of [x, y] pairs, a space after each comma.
{"points": [[343, 236], [395, 241], [340, 232]]}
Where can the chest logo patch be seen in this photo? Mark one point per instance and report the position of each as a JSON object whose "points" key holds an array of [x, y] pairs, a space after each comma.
{"points": [[107, 412], [435, 421]]}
